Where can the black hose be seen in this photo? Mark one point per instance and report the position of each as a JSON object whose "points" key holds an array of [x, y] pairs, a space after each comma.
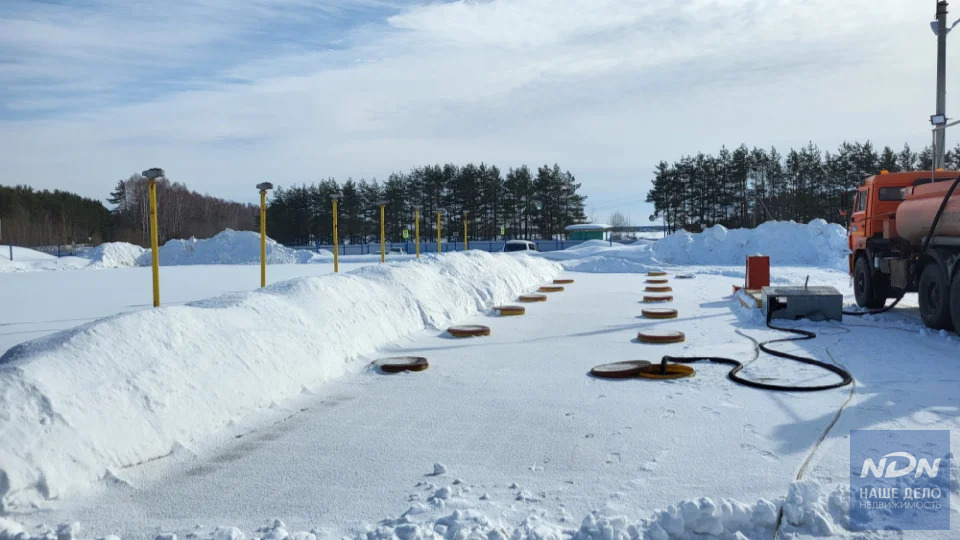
{"points": [[734, 374], [926, 244]]}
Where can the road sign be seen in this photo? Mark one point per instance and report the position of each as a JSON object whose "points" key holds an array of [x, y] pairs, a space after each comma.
{"points": [[406, 234], [503, 230]]}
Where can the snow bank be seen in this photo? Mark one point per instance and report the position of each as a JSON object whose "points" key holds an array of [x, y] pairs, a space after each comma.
{"points": [[598, 256], [113, 255], [452, 512], [129, 388], [817, 243], [228, 247], [807, 510], [787, 243]]}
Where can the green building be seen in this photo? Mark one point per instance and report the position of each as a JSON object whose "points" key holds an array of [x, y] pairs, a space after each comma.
{"points": [[588, 231]]}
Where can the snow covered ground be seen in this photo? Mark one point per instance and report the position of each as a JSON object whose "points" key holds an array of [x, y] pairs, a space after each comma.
{"points": [[507, 436]]}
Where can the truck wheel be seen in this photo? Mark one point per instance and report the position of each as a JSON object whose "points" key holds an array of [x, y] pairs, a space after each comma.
{"points": [[869, 293], [934, 294], [955, 300]]}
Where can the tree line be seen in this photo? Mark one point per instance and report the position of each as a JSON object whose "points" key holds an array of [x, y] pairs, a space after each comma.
{"points": [[521, 204], [38, 218], [745, 187], [30, 217], [181, 213]]}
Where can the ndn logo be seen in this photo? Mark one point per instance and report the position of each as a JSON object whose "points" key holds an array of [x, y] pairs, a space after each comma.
{"points": [[885, 470]]}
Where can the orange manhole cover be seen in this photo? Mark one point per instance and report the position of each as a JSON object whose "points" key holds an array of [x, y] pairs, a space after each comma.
{"points": [[660, 336], [620, 370], [397, 364], [509, 311], [657, 288], [659, 313], [469, 330]]}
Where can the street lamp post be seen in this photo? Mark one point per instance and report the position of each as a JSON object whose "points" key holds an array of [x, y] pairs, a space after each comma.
{"points": [[336, 240], [383, 233], [439, 244], [263, 187], [152, 175], [416, 228], [940, 28]]}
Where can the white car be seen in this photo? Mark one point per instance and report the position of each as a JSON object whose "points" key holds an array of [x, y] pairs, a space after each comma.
{"points": [[519, 245]]}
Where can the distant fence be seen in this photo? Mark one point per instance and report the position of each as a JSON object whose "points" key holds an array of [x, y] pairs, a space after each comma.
{"points": [[57, 250], [431, 247]]}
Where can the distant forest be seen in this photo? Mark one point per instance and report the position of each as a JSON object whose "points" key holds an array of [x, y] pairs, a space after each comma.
{"points": [[29, 217], [744, 187], [526, 204], [38, 218]]}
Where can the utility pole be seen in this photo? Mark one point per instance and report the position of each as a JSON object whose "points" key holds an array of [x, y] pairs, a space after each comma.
{"points": [[939, 149]]}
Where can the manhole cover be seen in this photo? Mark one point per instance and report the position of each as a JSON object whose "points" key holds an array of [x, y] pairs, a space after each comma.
{"points": [[660, 336], [550, 288], [469, 330], [509, 311], [533, 298], [620, 370], [659, 313], [670, 371], [657, 288], [397, 364]]}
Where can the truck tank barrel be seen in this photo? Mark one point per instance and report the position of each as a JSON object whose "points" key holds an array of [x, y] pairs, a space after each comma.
{"points": [[915, 214]]}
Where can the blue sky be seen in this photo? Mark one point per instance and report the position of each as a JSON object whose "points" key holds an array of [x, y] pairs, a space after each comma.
{"points": [[226, 93]]}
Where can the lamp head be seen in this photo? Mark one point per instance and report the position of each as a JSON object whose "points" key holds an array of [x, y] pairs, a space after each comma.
{"points": [[264, 186], [153, 174]]}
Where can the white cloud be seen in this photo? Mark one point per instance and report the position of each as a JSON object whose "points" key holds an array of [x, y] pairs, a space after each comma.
{"points": [[605, 88]]}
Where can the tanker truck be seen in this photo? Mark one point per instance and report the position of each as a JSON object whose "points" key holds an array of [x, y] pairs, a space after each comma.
{"points": [[893, 250]]}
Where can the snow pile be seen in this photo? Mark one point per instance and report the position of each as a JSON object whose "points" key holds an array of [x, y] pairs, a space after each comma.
{"points": [[598, 256], [129, 388], [113, 255], [26, 259], [228, 247], [788, 243], [451, 513], [806, 511]]}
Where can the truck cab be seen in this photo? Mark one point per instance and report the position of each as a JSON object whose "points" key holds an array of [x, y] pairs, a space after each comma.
{"points": [[887, 261]]}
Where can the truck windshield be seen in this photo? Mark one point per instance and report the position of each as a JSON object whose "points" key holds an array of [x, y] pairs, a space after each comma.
{"points": [[890, 194]]}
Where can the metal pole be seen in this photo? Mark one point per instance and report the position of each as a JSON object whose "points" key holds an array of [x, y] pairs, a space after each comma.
{"points": [[154, 247], [263, 238], [416, 221], [383, 239], [465, 241], [439, 245], [336, 240], [939, 148]]}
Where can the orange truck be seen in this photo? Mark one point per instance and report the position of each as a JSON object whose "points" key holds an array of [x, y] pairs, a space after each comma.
{"points": [[892, 251]]}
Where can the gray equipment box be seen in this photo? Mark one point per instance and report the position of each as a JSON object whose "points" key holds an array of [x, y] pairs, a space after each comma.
{"points": [[815, 303]]}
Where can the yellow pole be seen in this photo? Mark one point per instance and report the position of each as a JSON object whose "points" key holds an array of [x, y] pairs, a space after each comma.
{"points": [[154, 247], [439, 246], [263, 238], [383, 237], [464, 232], [336, 242], [416, 221]]}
